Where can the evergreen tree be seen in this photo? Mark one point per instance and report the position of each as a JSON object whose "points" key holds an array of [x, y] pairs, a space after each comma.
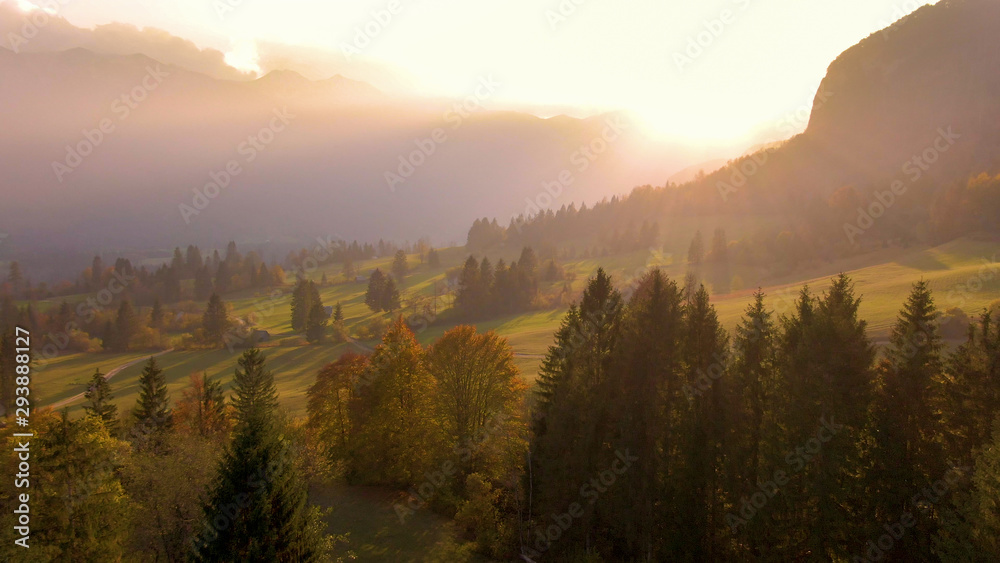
{"points": [[215, 320], [349, 271], [300, 305], [970, 527], [827, 375], [338, 313], [970, 396], [720, 247], [390, 296], [258, 510], [316, 323], [108, 339], [645, 397], [696, 252], [751, 425], [223, 276], [126, 326], [433, 259], [152, 413], [905, 428], [576, 377], [264, 276], [99, 405], [702, 428], [376, 291], [76, 491], [399, 266], [203, 286], [193, 260], [156, 315], [471, 293]]}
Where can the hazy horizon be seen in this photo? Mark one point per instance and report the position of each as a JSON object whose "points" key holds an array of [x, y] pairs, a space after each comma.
{"points": [[680, 69]]}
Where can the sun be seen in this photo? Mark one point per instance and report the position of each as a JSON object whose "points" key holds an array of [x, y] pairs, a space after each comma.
{"points": [[244, 57]]}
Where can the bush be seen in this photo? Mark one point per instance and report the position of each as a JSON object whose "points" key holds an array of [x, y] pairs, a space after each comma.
{"points": [[375, 329]]}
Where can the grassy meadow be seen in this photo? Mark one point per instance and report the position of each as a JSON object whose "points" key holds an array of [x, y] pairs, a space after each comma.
{"points": [[963, 273]]}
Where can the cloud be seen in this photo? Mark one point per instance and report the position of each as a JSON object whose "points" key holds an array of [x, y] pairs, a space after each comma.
{"points": [[57, 34]]}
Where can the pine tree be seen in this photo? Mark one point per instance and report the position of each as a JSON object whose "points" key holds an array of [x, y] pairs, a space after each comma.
{"points": [[223, 276], [203, 286], [702, 427], [300, 305], [827, 377], [720, 247], [156, 315], [390, 296], [433, 259], [215, 320], [349, 271], [338, 313], [153, 417], [75, 485], [374, 297], [970, 396], [470, 298], [576, 377], [316, 323], [126, 326], [970, 526], [399, 266], [644, 398], [905, 455], [99, 405], [696, 252], [258, 509]]}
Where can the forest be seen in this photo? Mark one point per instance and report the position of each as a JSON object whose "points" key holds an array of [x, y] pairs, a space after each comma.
{"points": [[791, 438]]}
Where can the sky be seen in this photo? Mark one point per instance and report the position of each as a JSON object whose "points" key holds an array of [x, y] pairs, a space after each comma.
{"points": [[711, 71]]}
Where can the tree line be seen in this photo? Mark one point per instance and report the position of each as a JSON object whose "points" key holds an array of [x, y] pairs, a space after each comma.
{"points": [[205, 479], [656, 435]]}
